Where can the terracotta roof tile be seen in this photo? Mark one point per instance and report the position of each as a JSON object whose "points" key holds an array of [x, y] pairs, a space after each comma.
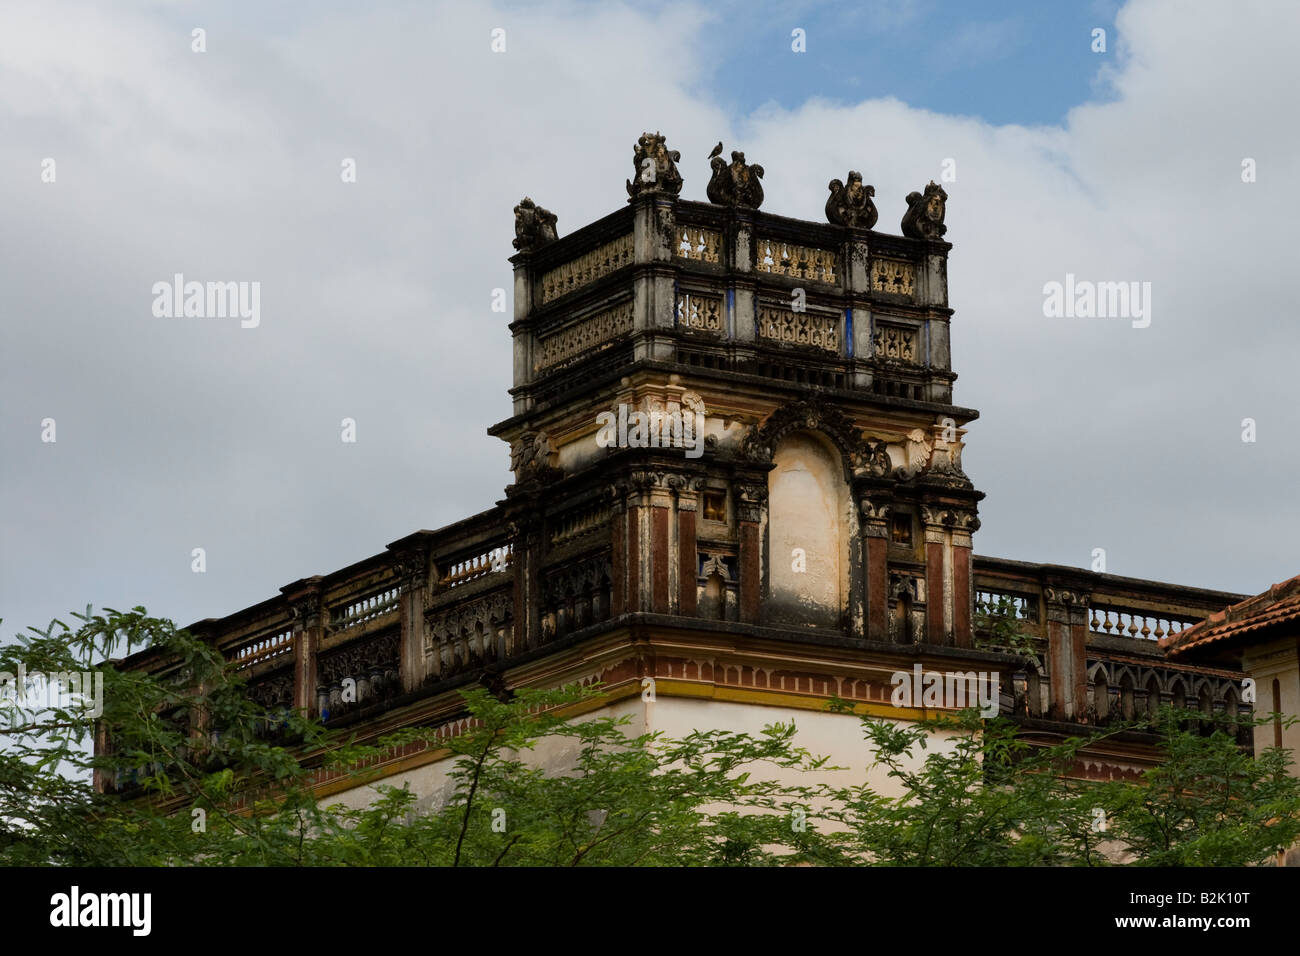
{"points": [[1278, 605]]}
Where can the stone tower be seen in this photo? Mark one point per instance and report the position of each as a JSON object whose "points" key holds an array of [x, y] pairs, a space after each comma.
{"points": [[758, 408]]}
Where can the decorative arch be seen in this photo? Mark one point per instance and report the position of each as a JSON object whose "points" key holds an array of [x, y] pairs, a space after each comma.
{"points": [[812, 415]]}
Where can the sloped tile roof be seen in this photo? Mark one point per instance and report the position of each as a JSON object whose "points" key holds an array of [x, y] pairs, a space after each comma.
{"points": [[1278, 605]]}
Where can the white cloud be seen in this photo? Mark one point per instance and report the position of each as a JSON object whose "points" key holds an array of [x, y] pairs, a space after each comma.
{"points": [[225, 165]]}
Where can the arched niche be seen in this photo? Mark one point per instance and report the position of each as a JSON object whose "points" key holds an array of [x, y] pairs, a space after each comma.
{"points": [[809, 522]]}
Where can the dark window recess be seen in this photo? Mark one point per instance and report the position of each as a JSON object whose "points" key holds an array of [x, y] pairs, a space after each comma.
{"points": [[900, 530]]}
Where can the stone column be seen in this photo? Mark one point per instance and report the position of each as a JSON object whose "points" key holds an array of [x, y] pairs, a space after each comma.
{"points": [[654, 299], [855, 255], [1067, 640], [305, 601], [739, 261], [523, 342], [413, 567]]}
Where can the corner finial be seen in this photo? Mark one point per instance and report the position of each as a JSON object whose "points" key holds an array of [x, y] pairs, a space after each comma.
{"points": [[736, 184], [851, 205], [534, 226], [656, 167], [924, 216]]}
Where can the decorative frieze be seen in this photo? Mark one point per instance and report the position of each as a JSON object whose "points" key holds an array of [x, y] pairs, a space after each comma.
{"points": [[587, 268], [698, 243], [585, 336], [893, 275], [895, 342], [469, 633], [274, 692], [373, 661], [703, 313], [787, 327], [798, 262]]}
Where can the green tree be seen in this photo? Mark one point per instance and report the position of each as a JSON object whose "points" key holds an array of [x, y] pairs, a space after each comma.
{"points": [[970, 792], [987, 797], [598, 797], [208, 786], [1208, 802]]}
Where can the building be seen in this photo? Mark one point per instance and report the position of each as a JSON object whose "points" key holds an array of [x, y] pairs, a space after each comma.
{"points": [[737, 474]]}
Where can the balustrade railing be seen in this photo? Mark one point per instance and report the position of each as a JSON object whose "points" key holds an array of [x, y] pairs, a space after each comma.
{"points": [[367, 608], [495, 560], [261, 649], [1134, 622], [1020, 606]]}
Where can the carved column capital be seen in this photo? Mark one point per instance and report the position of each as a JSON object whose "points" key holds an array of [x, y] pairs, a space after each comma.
{"points": [[412, 569], [751, 500], [305, 603], [875, 515], [1066, 606]]}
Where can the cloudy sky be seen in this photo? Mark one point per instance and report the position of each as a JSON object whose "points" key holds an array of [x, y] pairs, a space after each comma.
{"points": [[175, 433]]}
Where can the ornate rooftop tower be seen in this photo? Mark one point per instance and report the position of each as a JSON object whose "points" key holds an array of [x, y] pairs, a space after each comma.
{"points": [[827, 490], [738, 485]]}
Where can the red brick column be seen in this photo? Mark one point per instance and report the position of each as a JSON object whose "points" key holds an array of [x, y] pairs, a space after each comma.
{"points": [[934, 589], [875, 560], [686, 556], [962, 596], [659, 555], [965, 524], [751, 501]]}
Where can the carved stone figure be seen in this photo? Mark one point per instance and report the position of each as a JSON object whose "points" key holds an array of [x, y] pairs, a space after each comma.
{"points": [[736, 184], [656, 166], [851, 205], [924, 216], [530, 454], [534, 226]]}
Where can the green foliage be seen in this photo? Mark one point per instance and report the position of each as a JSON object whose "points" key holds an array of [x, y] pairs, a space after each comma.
{"points": [[597, 796], [997, 627], [980, 795], [546, 778], [50, 813], [971, 793], [592, 795], [1207, 803]]}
